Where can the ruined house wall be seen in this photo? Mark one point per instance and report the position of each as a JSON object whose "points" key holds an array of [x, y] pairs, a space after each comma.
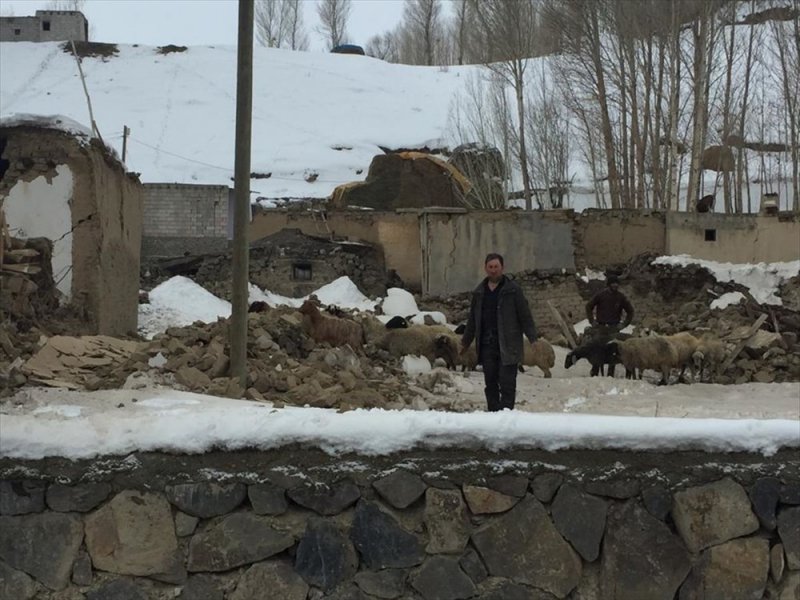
{"points": [[396, 233], [736, 238], [445, 523], [105, 223], [610, 237]]}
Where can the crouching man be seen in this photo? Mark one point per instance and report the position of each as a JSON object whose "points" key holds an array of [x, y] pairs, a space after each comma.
{"points": [[498, 317]]}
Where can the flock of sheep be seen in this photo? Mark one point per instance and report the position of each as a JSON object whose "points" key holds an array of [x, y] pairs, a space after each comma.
{"points": [[400, 338]]}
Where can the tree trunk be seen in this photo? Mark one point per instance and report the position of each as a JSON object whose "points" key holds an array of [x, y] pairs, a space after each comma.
{"points": [[523, 152], [700, 31]]}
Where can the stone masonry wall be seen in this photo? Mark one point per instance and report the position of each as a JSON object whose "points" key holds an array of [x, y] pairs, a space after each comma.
{"points": [[183, 210], [297, 524]]}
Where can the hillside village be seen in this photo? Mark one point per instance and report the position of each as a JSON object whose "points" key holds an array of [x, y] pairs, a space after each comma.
{"points": [[356, 458]]}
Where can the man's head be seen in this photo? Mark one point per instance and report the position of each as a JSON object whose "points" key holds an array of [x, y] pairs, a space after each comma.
{"points": [[493, 265], [612, 281]]}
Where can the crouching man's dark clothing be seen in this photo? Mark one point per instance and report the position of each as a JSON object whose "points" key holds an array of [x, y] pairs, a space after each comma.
{"points": [[609, 306], [497, 321]]}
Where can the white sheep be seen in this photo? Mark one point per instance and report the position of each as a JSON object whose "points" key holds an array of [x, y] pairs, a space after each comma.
{"points": [[418, 340], [641, 353], [685, 345]]}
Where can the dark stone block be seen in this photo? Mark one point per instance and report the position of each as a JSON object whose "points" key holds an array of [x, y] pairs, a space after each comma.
{"points": [[764, 497], [473, 566], [206, 499], [119, 589], [82, 497], [581, 519], [82, 570], [267, 499], [789, 532], [545, 486], [201, 587], [620, 490], [790, 493], [440, 578], [388, 583], [658, 501], [326, 499], [325, 556], [15, 584], [400, 488], [21, 497], [510, 485], [381, 542]]}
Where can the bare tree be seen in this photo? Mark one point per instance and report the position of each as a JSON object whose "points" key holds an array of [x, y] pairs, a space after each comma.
{"points": [[78, 5], [272, 22], [511, 27], [333, 16], [423, 21], [296, 35], [384, 46]]}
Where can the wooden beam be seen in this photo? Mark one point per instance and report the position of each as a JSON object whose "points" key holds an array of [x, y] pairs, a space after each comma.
{"points": [[740, 346], [565, 329]]}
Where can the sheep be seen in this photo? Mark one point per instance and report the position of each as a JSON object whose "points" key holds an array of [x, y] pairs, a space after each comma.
{"points": [[706, 204], [597, 352], [397, 322], [685, 345], [641, 353], [710, 353], [539, 354], [419, 340], [373, 328], [448, 346], [333, 330]]}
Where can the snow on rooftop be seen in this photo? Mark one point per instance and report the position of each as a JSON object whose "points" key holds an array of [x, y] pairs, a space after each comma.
{"points": [[59, 122], [761, 279], [161, 423]]}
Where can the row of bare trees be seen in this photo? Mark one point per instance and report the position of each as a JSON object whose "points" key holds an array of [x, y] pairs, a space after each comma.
{"points": [[665, 101], [280, 24]]}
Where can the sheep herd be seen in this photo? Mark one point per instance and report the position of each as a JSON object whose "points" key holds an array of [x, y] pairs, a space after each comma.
{"points": [[398, 337]]}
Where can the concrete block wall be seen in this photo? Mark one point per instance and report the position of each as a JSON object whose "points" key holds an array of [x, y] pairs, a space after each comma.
{"points": [[185, 211], [46, 26]]}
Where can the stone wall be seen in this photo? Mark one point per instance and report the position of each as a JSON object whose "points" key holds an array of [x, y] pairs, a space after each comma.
{"points": [[104, 218], [734, 238], [417, 525]]}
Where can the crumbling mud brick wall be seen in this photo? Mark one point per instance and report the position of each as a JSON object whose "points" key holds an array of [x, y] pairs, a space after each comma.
{"points": [[104, 220]]}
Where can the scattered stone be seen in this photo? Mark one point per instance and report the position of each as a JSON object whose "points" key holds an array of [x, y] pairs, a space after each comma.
{"points": [[185, 524], [326, 499], [201, 587], [619, 490], [473, 566], [82, 570], [482, 501], [764, 497], [777, 562], [236, 540], [789, 532], [82, 497], [523, 545], [545, 486], [712, 514], [735, 570], [446, 520], [21, 497], [325, 556], [118, 589], [440, 578], [581, 519], [381, 542], [658, 501], [277, 577], [510, 485], [133, 534], [206, 499], [42, 545], [267, 499], [15, 584], [388, 583], [192, 378], [641, 556], [400, 488]]}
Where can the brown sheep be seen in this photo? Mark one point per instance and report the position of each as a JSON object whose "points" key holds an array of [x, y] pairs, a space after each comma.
{"points": [[332, 330], [417, 340], [448, 347], [640, 353], [540, 354], [685, 345], [710, 354]]}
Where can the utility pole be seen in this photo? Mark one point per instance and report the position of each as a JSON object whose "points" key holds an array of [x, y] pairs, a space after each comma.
{"points": [[241, 185], [125, 133]]}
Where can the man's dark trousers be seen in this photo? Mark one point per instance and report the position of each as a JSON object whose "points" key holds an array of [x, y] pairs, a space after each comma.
{"points": [[500, 379]]}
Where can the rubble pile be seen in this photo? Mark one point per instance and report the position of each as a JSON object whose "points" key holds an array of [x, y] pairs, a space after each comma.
{"points": [[27, 288]]}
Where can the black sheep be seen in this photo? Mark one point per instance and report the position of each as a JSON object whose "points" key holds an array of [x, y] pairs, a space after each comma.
{"points": [[598, 353]]}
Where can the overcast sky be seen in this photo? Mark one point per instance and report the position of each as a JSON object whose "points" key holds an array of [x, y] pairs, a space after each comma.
{"points": [[200, 22]]}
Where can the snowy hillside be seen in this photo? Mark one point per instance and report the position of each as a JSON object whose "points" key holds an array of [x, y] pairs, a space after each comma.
{"points": [[312, 112]]}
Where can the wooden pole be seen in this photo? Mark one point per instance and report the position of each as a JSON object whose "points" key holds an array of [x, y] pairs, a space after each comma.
{"points": [[95, 129], [125, 132], [565, 329], [241, 211]]}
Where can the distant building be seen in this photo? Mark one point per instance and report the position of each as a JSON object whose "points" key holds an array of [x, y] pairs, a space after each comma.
{"points": [[46, 26]]}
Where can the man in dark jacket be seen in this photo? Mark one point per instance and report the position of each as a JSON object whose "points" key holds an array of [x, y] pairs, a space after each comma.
{"points": [[605, 309], [498, 317]]}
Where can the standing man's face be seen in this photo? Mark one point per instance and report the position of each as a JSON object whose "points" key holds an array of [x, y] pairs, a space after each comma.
{"points": [[614, 286], [494, 270]]}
